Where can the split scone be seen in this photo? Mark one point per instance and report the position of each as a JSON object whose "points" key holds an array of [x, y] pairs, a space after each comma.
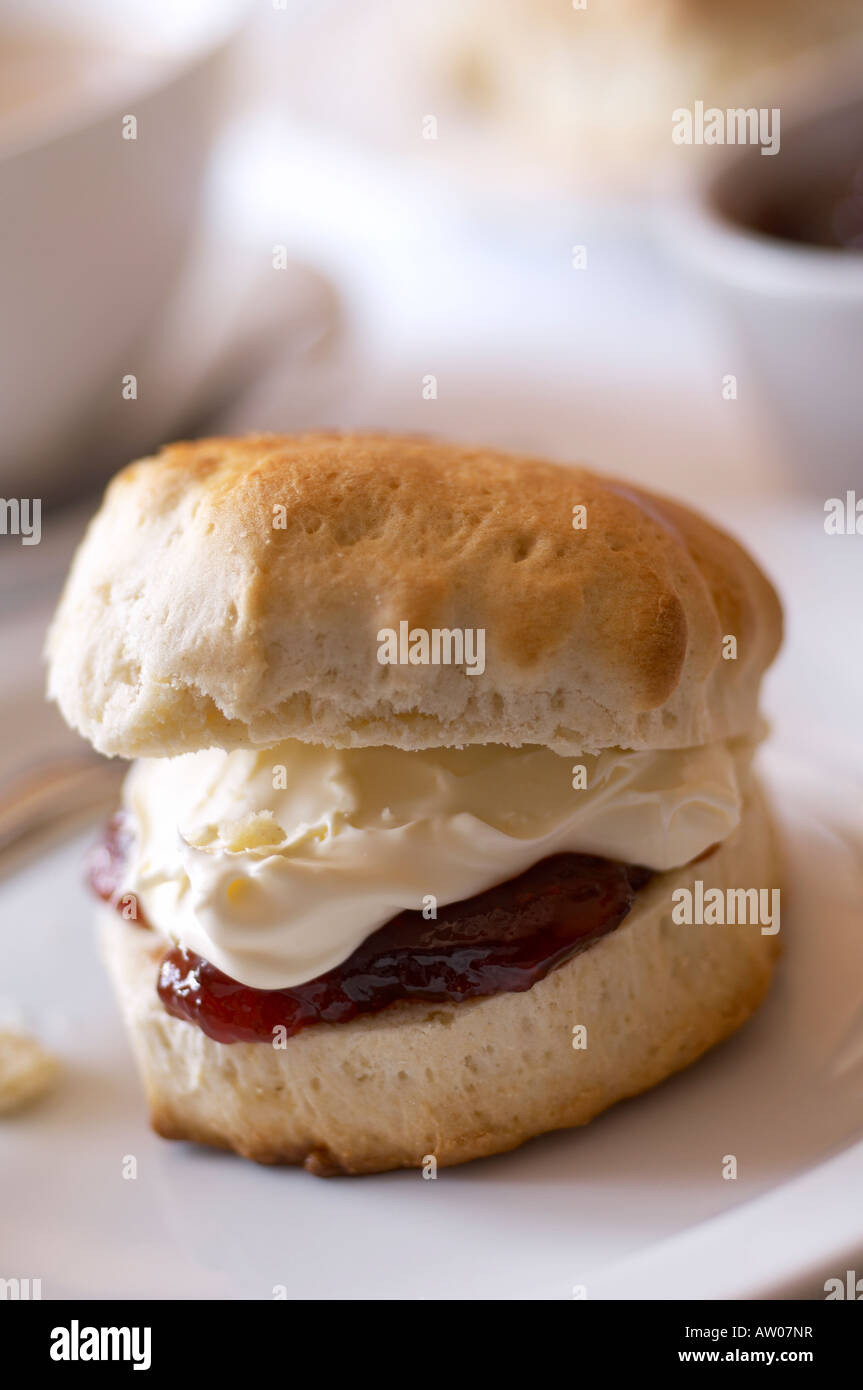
{"points": [[442, 830]]}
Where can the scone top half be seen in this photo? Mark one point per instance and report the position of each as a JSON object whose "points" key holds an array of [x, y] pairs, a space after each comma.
{"points": [[361, 676], [232, 593]]}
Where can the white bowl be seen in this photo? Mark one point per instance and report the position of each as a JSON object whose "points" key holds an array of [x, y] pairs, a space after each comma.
{"points": [[96, 226], [795, 310]]}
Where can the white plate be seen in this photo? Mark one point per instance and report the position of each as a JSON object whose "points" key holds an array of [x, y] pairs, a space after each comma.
{"points": [[619, 1207]]}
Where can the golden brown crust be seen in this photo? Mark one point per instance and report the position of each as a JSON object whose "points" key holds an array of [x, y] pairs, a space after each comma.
{"points": [[462, 1081], [190, 619]]}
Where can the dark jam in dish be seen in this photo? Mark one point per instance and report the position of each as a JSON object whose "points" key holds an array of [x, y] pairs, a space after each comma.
{"points": [[502, 940], [827, 212]]}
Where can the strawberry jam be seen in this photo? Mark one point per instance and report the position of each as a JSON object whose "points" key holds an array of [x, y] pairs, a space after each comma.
{"points": [[107, 859], [502, 940]]}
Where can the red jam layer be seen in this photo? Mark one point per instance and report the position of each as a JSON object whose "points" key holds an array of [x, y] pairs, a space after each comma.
{"points": [[502, 940], [107, 859]]}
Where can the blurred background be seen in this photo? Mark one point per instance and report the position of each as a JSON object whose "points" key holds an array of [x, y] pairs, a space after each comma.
{"points": [[466, 218]]}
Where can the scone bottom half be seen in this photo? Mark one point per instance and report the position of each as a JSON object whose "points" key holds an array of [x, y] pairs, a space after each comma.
{"points": [[454, 1081]]}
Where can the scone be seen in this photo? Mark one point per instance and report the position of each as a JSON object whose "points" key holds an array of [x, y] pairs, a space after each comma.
{"points": [[442, 830], [584, 93]]}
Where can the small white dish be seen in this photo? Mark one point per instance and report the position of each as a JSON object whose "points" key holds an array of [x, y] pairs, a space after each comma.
{"points": [[794, 310]]}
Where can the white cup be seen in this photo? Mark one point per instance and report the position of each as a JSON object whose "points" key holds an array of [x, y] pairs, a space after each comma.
{"points": [[96, 226]]}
